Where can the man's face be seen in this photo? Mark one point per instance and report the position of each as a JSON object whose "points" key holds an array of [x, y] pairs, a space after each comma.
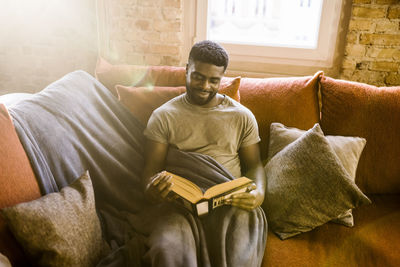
{"points": [[202, 82]]}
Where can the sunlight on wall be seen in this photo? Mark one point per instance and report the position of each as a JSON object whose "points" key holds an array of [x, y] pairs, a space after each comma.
{"points": [[43, 40]]}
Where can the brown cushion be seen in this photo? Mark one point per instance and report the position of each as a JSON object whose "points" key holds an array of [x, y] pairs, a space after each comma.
{"points": [[136, 75], [60, 229], [372, 242], [356, 109], [17, 182], [292, 101], [141, 101]]}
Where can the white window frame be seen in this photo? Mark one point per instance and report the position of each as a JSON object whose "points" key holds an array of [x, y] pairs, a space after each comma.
{"points": [[323, 56]]}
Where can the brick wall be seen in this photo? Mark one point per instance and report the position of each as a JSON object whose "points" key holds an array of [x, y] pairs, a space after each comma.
{"points": [[41, 41], [143, 31], [372, 53]]}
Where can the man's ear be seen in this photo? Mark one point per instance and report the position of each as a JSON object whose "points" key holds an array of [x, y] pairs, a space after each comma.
{"points": [[187, 67]]}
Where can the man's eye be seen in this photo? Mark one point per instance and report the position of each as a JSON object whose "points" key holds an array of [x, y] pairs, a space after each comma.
{"points": [[214, 81], [197, 77]]}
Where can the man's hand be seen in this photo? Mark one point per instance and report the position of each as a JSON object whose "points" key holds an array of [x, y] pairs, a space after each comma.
{"points": [[158, 187], [248, 200]]}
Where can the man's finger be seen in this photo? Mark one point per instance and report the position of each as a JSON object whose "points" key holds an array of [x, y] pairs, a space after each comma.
{"points": [[166, 190]]}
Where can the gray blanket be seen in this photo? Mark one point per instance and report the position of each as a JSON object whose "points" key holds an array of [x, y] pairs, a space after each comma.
{"points": [[76, 124]]}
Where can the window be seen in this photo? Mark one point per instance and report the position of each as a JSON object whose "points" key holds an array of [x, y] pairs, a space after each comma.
{"points": [[272, 33]]}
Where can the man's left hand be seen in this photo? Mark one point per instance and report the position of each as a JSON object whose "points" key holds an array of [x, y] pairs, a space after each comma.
{"points": [[248, 200]]}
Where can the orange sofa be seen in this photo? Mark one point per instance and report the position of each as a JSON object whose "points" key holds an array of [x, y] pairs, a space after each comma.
{"points": [[341, 107]]}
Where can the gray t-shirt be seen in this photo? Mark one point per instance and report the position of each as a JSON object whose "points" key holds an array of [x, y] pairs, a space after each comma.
{"points": [[218, 131]]}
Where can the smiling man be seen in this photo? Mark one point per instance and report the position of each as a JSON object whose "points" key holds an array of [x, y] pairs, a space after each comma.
{"points": [[206, 122]]}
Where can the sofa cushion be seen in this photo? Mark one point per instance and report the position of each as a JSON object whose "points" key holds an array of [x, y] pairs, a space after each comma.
{"points": [[17, 182], [60, 229], [292, 101], [373, 241], [347, 148], [141, 101], [307, 186], [356, 109], [111, 75]]}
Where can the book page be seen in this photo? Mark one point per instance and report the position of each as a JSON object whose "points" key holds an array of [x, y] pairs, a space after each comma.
{"points": [[186, 188]]}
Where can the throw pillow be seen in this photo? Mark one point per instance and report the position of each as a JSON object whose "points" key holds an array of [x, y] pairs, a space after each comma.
{"points": [[142, 101], [289, 100], [347, 148], [60, 229], [137, 75], [307, 186]]}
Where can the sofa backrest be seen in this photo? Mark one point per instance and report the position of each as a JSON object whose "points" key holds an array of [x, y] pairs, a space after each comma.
{"points": [[358, 109], [17, 183]]}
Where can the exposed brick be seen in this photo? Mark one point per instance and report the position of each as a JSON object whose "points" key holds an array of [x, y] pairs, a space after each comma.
{"points": [[152, 59], [386, 2], [164, 49], [394, 12], [140, 46], [170, 60], [152, 36], [361, 25], [142, 24], [172, 3], [148, 3], [380, 39], [386, 26], [346, 74], [348, 63], [171, 13], [393, 79], [383, 53], [369, 12], [150, 12], [134, 58], [355, 50], [166, 26], [361, 1], [171, 37], [384, 66], [352, 37], [370, 77]]}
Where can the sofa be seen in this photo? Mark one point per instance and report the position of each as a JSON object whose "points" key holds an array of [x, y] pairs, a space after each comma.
{"points": [[338, 107]]}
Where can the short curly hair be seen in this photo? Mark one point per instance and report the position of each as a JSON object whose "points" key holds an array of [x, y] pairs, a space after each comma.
{"points": [[209, 52]]}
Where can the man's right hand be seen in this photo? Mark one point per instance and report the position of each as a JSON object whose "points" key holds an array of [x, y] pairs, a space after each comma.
{"points": [[158, 187]]}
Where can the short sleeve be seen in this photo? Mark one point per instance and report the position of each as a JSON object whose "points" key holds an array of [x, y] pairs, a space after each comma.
{"points": [[157, 128], [250, 133]]}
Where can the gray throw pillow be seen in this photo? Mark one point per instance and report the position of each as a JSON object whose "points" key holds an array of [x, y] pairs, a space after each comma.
{"points": [[347, 148], [60, 229], [307, 186]]}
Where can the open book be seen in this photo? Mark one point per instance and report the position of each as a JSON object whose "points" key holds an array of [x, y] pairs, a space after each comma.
{"points": [[191, 196]]}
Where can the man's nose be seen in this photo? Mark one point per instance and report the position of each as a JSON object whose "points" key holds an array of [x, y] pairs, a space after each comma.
{"points": [[206, 85]]}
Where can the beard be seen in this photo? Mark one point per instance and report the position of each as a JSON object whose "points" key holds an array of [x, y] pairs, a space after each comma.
{"points": [[199, 96]]}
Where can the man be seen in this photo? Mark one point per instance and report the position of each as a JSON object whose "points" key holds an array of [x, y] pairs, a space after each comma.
{"points": [[205, 122]]}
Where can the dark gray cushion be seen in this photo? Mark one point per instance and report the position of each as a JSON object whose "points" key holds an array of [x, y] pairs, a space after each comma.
{"points": [[307, 186], [60, 229], [347, 148]]}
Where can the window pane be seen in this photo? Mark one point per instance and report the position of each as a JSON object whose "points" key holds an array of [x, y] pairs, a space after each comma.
{"points": [[287, 23]]}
